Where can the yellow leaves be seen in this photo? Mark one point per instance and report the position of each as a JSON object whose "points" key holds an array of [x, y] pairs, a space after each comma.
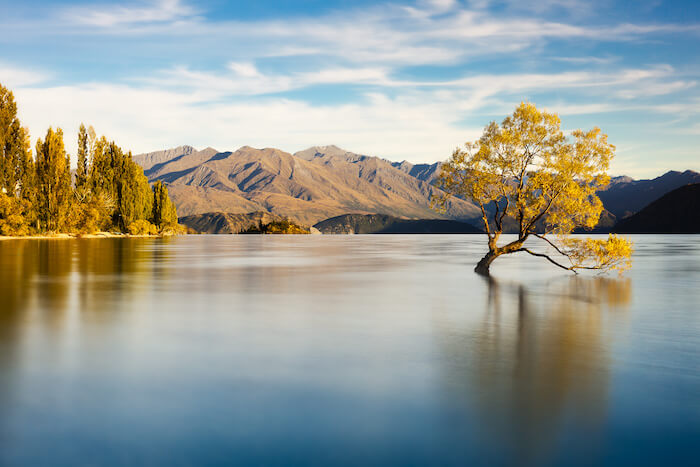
{"points": [[12, 216], [612, 253], [142, 227], [528, 163]]}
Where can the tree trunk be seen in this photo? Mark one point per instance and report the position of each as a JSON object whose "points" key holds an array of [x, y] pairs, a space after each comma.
{"points": [[482, 267]]}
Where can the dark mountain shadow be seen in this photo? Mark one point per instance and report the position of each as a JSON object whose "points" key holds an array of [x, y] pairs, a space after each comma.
{"points": [[170, 177], [156, 167], [677, 212], [219, 156]]}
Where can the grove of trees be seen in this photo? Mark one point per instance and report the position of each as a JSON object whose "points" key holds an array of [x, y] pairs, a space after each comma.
{"points": [[107, 192]]}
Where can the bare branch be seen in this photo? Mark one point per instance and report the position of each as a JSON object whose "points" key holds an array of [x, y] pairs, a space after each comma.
{"points": [[485, 219], [542, 237], [542, 255]]}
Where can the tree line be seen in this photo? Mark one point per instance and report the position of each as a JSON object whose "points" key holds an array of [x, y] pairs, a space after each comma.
{"points": [[107, 192]]}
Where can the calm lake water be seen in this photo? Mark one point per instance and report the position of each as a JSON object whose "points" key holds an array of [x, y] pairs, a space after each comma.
{"points": [[361, 350]]}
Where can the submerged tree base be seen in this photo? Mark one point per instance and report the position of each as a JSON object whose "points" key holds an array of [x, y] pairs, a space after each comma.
{"points": [[482, 267]]}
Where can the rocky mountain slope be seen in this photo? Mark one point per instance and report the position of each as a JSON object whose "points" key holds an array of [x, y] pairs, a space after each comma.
{"points": [[148, 160], [426, 172], [675, 212]]}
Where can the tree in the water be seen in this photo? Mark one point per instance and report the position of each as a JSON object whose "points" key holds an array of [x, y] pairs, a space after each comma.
{"points": [[527, 174], [164, 213]]}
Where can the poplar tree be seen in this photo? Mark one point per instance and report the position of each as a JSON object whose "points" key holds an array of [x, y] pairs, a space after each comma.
{"points": [[100, 177], [133, 191], [16, 169], [25, 170], [164, 212], [53, 181], [81, 172], [12, 142]]}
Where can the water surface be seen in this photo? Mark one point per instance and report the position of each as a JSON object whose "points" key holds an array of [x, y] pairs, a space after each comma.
{"points": [[358, 350]]}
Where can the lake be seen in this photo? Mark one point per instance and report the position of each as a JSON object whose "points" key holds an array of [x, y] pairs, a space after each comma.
{"points": [[361, 350]]}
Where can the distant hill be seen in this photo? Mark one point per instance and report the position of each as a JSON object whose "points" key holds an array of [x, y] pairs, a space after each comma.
{"points": [[625, 196], [310, 186], [675, 212], [425, 172], [383, 224], [226, 223]]}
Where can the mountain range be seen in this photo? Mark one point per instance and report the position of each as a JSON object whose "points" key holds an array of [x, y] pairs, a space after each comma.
{"points": [[675, 212], [326, 181]]}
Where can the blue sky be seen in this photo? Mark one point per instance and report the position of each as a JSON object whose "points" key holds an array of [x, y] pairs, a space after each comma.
{"points": [[400, 80]]}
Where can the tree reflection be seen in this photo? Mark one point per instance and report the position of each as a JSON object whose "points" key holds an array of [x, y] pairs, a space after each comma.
{"points": [[536, 363]]}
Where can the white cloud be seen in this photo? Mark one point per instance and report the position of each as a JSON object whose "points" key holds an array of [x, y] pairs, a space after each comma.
{"points": [[244, 79], [11, 76], [110, 16]]}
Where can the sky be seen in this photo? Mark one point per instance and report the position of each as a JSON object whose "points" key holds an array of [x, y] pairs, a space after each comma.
{"points": [[399, 80]]}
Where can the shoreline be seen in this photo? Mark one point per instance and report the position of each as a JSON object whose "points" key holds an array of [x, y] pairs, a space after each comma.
{"points": [[67, 236]]}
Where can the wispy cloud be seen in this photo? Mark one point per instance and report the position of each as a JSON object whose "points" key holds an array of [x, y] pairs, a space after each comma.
{"points": [[429, 32], [159, 11], [13, 76]]}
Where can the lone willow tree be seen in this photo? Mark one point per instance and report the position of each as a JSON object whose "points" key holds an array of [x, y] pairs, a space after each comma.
{"points": [[527, 177]]}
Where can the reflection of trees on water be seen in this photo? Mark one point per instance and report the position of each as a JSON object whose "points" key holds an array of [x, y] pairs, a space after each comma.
{"points": [[535, 364], [46, 280], [50, 288]]}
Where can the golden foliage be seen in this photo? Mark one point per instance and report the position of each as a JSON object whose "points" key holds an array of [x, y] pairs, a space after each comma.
{"points": [[526, 171], [142, 227], [90, 212], [12, 216]]}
